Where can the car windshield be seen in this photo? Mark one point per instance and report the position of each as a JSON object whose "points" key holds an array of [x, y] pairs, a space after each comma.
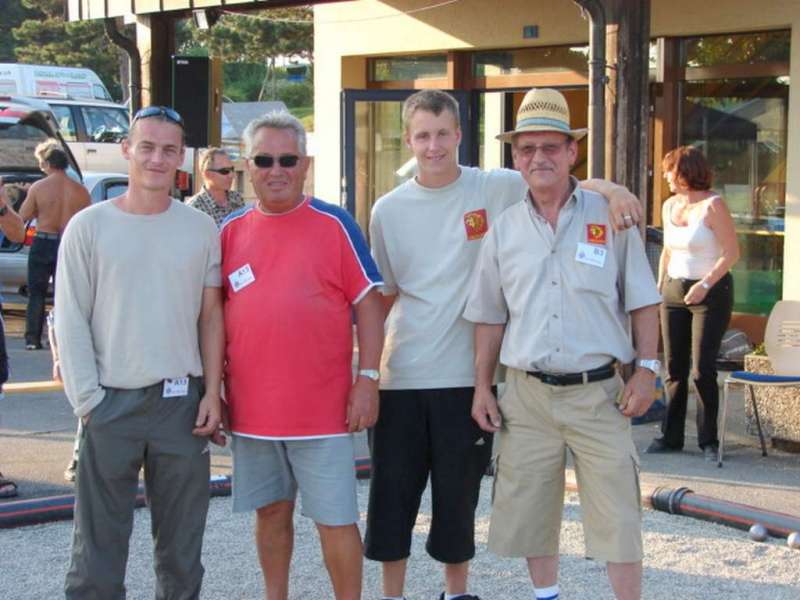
{"points": [[17, 143], [105, 124]]}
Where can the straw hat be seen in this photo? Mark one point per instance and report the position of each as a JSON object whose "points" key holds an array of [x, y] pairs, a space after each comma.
{"points": [[543, 109]]}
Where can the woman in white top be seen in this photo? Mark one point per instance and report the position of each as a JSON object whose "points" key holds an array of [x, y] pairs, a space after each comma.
{"points": [[700, 247]]}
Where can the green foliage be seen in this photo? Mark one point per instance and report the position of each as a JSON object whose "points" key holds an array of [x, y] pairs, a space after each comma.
{"points": [[760, 350], [306, 116], [257, 38], [45, 38], [243, 81], [296, 94], [14, 13]]}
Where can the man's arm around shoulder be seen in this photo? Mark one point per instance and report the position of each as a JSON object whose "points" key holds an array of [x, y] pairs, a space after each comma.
{"points": [[624, 208]]}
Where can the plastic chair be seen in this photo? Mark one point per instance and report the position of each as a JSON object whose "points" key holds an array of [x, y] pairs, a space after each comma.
{"points": [[782, 341]]}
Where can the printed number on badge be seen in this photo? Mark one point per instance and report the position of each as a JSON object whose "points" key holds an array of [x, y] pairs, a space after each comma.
{"points": [[241, 277], [175, 388], [590, 255]]}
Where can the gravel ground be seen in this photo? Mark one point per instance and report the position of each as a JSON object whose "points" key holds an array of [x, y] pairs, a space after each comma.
{"points": [[685, 558]]}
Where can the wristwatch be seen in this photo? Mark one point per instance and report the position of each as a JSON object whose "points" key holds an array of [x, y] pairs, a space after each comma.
{"points": [[652, 364], [373, 374], [3, 210]]}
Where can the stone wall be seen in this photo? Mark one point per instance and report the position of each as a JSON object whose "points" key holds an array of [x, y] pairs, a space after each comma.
{"points": [[778, 407]]}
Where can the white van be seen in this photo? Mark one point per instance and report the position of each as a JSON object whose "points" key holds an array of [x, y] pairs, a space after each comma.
{"points": [[50, 81]]}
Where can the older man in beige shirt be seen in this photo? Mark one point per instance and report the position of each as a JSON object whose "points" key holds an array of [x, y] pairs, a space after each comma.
{"points": [[554, 293]]}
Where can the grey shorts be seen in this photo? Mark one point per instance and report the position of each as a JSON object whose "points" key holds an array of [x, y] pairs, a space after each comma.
{"points": [[268, 471]]}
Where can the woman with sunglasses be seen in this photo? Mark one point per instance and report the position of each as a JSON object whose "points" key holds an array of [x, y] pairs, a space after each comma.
{"points": [[216, 199]]}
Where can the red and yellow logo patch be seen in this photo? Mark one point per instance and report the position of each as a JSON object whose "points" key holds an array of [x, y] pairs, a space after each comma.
{"points": [[476, 223], [596, 233]]}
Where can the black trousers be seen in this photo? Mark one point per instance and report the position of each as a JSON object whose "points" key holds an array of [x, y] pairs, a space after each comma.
{"points": [[422, 433], [692, 336], [41, 266]]}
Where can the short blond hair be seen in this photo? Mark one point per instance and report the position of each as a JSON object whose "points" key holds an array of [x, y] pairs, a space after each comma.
{"points": [[432, 101], [50, 151]]}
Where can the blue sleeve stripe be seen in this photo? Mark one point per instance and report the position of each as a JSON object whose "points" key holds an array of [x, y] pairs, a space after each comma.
{"points": [[354, 237], [234, 216]]}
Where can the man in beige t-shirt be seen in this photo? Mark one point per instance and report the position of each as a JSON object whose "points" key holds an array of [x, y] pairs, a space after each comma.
{"points": [[555, 293], [140, 337]]}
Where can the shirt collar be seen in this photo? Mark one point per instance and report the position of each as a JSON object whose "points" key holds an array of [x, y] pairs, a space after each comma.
{"points": [[575, 197]]}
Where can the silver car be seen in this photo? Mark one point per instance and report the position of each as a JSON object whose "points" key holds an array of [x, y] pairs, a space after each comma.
{"points": [[14, 257], [22, 127]]}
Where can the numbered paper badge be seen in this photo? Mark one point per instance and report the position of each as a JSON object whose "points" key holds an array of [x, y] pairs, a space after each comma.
{"points": [[241, 277], [175, 388], [590, 255]]}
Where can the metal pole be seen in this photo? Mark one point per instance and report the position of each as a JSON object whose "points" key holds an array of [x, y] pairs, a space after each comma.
{"points": [[597, 87]]}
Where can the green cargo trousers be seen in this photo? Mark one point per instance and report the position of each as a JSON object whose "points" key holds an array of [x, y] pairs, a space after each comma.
{"points": [[127, 430]]}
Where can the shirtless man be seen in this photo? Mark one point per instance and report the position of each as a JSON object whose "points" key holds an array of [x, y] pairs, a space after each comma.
{"points": [[52, 201]]}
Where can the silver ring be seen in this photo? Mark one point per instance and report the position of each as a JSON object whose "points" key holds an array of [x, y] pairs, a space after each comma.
{"points": [[628, 218]]}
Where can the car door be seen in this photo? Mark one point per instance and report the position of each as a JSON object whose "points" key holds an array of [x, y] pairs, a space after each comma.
{"points": [[69, 131], [105, 128]]}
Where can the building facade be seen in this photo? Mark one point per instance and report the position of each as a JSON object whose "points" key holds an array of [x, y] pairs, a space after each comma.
{"points": [[720, 76]]}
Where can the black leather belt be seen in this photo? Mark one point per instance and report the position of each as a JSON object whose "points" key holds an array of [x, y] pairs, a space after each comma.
{"points": [[45, 235], [598, 374]]}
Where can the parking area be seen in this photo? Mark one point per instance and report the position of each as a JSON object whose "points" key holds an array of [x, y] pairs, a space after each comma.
{"points": [[685, 558]]}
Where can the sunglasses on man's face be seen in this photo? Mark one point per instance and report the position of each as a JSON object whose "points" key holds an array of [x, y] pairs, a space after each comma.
{"points": [[222, 171], [158, 111], [265, 161]]}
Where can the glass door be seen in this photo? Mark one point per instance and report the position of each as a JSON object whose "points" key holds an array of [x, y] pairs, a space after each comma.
{"points": [[375, 157], [741, 126]]}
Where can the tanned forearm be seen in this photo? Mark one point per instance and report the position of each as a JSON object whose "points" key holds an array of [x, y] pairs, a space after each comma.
{"points": [[369, 329], [645, 331], [212, 339], [488, 338]]}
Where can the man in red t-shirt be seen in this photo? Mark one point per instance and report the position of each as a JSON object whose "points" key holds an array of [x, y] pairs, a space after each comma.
{"points": [[295, 269]]}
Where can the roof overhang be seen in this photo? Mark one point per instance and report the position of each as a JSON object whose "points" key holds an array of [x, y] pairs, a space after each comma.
{"points": [[83, 10]]}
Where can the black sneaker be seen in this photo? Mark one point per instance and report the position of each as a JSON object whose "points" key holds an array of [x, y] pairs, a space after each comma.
{"points": [[462, 597], [657, 446]]}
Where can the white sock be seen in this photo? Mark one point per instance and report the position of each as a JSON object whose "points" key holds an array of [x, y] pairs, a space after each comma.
{"points": [[453, 596], [548, 593]]}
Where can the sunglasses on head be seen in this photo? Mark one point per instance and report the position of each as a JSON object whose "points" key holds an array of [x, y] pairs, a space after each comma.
{"points": [[222, 171], [158, 111], [265, 161]]}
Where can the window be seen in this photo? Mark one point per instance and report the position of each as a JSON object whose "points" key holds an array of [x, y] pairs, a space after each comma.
{"points": [[408, 68], [737, 112], [105, 124], [531, 60], [66, 123], [100, 92], [738, 49]]}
